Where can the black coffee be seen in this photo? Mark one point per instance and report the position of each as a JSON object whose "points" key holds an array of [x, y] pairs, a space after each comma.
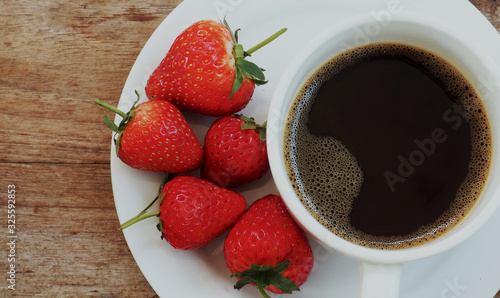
{"points": [[388, 146]]}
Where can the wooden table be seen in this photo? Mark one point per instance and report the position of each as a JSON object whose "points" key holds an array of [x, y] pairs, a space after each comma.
{"points": [[56, 57]]}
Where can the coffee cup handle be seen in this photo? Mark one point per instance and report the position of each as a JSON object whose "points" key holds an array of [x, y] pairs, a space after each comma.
{"points": [[379, 280]]}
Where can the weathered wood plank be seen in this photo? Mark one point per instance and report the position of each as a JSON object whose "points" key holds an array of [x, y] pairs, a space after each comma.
{"points": [[68, 243]]}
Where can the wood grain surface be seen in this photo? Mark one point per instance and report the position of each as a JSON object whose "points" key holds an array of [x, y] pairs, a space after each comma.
{"points": [[56, 57]]}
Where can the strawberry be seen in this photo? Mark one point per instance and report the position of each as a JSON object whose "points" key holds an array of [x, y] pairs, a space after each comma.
{"points": [[235, 151], [205, 71], [268, 249], [154, 136], [193, 211]]}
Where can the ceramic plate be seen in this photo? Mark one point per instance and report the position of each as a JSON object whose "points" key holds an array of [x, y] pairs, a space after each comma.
{"points": [[468, 271]]}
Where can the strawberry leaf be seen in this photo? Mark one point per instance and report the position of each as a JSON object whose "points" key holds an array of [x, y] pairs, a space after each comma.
{"points": [[233, 35], [260, 267], [126, 117], [263, 133], [161, 195], [281, 266], [111, 124], [246, 125], [251, 124], [259, 82], [263, 276], [244, 67], [283, 283], [238, 81], [241, 283], [118, 140], [251, 71]]}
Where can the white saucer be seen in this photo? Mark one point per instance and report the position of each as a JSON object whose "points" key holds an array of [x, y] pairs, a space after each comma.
{"points": [[469, 271]]}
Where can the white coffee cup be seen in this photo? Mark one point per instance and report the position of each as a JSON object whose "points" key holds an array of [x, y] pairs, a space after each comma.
{"points": [[380, 269]]}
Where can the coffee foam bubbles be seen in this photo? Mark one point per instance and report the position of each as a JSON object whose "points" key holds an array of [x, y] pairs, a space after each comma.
{"points": [[327, 178]]}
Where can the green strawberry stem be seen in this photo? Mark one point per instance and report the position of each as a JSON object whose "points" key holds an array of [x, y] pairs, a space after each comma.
{"points": [[141, 216], [110, 107], [119, 129], [246, 68], [260, 286], [137, 219], [265, 42]]}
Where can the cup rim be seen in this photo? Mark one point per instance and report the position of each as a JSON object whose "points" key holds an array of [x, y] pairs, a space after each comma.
{"points": [[274, 146]]}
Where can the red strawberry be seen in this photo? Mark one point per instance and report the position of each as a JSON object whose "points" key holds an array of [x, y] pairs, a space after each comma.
{"points": [[268, 249], [193, 211], [154, 136], [205, 71], [235, 151]]}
